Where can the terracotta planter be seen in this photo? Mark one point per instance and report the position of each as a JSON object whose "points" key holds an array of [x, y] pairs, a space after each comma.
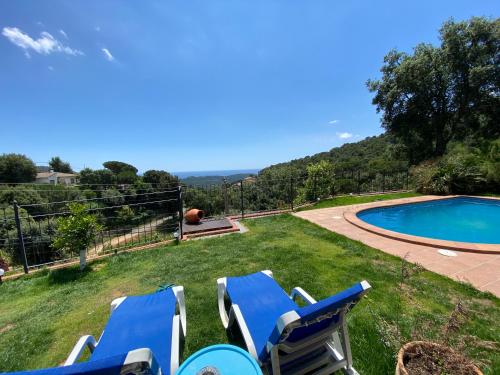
{"points": [[193, 216], [411, 347]]}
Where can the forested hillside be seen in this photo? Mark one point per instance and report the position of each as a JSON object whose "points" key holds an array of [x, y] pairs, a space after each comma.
{"points": [[379, 154], [213, 180]]}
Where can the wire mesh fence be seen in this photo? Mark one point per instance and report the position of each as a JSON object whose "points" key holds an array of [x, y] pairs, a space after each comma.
{"points": [[263, 193], [127, 218], [139, 214]]}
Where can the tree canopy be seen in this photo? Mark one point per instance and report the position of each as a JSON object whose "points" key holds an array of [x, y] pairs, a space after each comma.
{"points": [[16, 168], [156, 177], [97, 177], [446, 93], [117, 167], [380, 154], [58, 165]]}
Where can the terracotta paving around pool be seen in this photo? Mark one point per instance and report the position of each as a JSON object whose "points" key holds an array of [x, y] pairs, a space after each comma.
{"points": [[479, 269]]}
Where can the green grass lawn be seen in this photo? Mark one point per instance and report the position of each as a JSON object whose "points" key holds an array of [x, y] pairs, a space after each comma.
{"points": [[43, 315], [357, 199]]}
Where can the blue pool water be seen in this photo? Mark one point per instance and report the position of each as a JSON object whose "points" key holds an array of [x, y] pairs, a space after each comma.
{"points": [[460, 219]]}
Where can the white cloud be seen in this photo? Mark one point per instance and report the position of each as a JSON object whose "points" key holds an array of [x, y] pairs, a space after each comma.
{"points": [[344, 135], [45, 45], [63, 33], [107, 54], [333, 122]]}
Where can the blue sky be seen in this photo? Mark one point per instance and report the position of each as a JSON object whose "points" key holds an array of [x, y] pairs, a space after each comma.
{"points": [[200, 85]]}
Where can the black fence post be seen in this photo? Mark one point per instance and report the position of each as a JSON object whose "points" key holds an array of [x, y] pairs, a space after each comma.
{"points": [[407, 173], [241, 200], [20, 239], [181, 211], [359, 182], [333, 183], [315, 185], [224, 192], [383, 182], [291, 193]]}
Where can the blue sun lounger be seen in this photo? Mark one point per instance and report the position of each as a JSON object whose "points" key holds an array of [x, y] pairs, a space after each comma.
{"points": [[144, 335], [283, 337]]}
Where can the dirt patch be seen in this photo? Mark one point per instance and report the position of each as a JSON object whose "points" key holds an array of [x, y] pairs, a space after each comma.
{"points": [[428, 359], [483, 302], [98, 266], [6, 328]]}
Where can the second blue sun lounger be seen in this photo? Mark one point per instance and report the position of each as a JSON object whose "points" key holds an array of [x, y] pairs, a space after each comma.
{"points": [[282, 336], [144, 335]]}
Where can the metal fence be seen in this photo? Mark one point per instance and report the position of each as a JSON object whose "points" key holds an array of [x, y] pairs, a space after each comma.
{"points": [[262, 193], [132, 216], [128, 220]]}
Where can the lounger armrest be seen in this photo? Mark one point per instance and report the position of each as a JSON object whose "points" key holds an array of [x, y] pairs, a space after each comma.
{"points": [[117, 302], [268, 273], [235, 314], [85, 341], [299, 292], [179, 295], [221, 294]]}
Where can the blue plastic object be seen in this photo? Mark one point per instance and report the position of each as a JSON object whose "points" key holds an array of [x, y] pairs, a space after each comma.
{"points": [[140, 322], [262, 301], [108, 366], [220, 360]]}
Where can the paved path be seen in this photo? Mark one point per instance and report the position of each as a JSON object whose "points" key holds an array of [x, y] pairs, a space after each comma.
{"points": [[481, 270], [144, 230]]}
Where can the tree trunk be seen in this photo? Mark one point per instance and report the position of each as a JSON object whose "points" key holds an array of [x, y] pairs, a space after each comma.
{"points": [[83, 259], [441, 140]]}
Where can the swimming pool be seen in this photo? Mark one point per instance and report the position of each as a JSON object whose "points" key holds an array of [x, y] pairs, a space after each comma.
{"points": [[462, 219]]}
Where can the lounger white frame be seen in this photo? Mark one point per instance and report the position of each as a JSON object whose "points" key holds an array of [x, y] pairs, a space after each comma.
{"points": [[335, 339], [179, 330]]}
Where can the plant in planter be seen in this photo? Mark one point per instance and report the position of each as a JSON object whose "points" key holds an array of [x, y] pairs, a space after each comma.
{"points": [[423, 345], [76, 232], [425, 357]]}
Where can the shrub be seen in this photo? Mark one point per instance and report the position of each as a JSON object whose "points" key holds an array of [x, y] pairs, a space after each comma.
{"points": [[76, 231], [16, 168], [319, 180], [461, 171]]}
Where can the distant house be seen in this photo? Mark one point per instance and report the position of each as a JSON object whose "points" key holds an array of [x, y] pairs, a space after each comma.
{"points": [[56, 178]]}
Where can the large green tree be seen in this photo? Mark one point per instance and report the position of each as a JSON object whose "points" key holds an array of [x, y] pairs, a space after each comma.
{"points": [[444, 93], [159, 177], [15, 168], [97, 177], [117, 167], [58, 165]]}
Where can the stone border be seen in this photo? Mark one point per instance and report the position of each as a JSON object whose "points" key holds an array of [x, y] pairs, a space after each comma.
{"points": [[213, 232], [351, 216]]}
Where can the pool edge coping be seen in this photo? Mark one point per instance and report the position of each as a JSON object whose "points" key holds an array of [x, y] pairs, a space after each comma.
{"points": [[350, 215]]}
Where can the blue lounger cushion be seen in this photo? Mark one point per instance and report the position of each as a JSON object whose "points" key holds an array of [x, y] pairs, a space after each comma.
{"points": [[140, 322], [108, 366], [137, 322], [262, 302], [309, 314]]}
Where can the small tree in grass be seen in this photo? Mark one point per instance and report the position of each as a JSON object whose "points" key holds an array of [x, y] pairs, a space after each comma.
{"points": [[76, 231], [319, 180]]}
